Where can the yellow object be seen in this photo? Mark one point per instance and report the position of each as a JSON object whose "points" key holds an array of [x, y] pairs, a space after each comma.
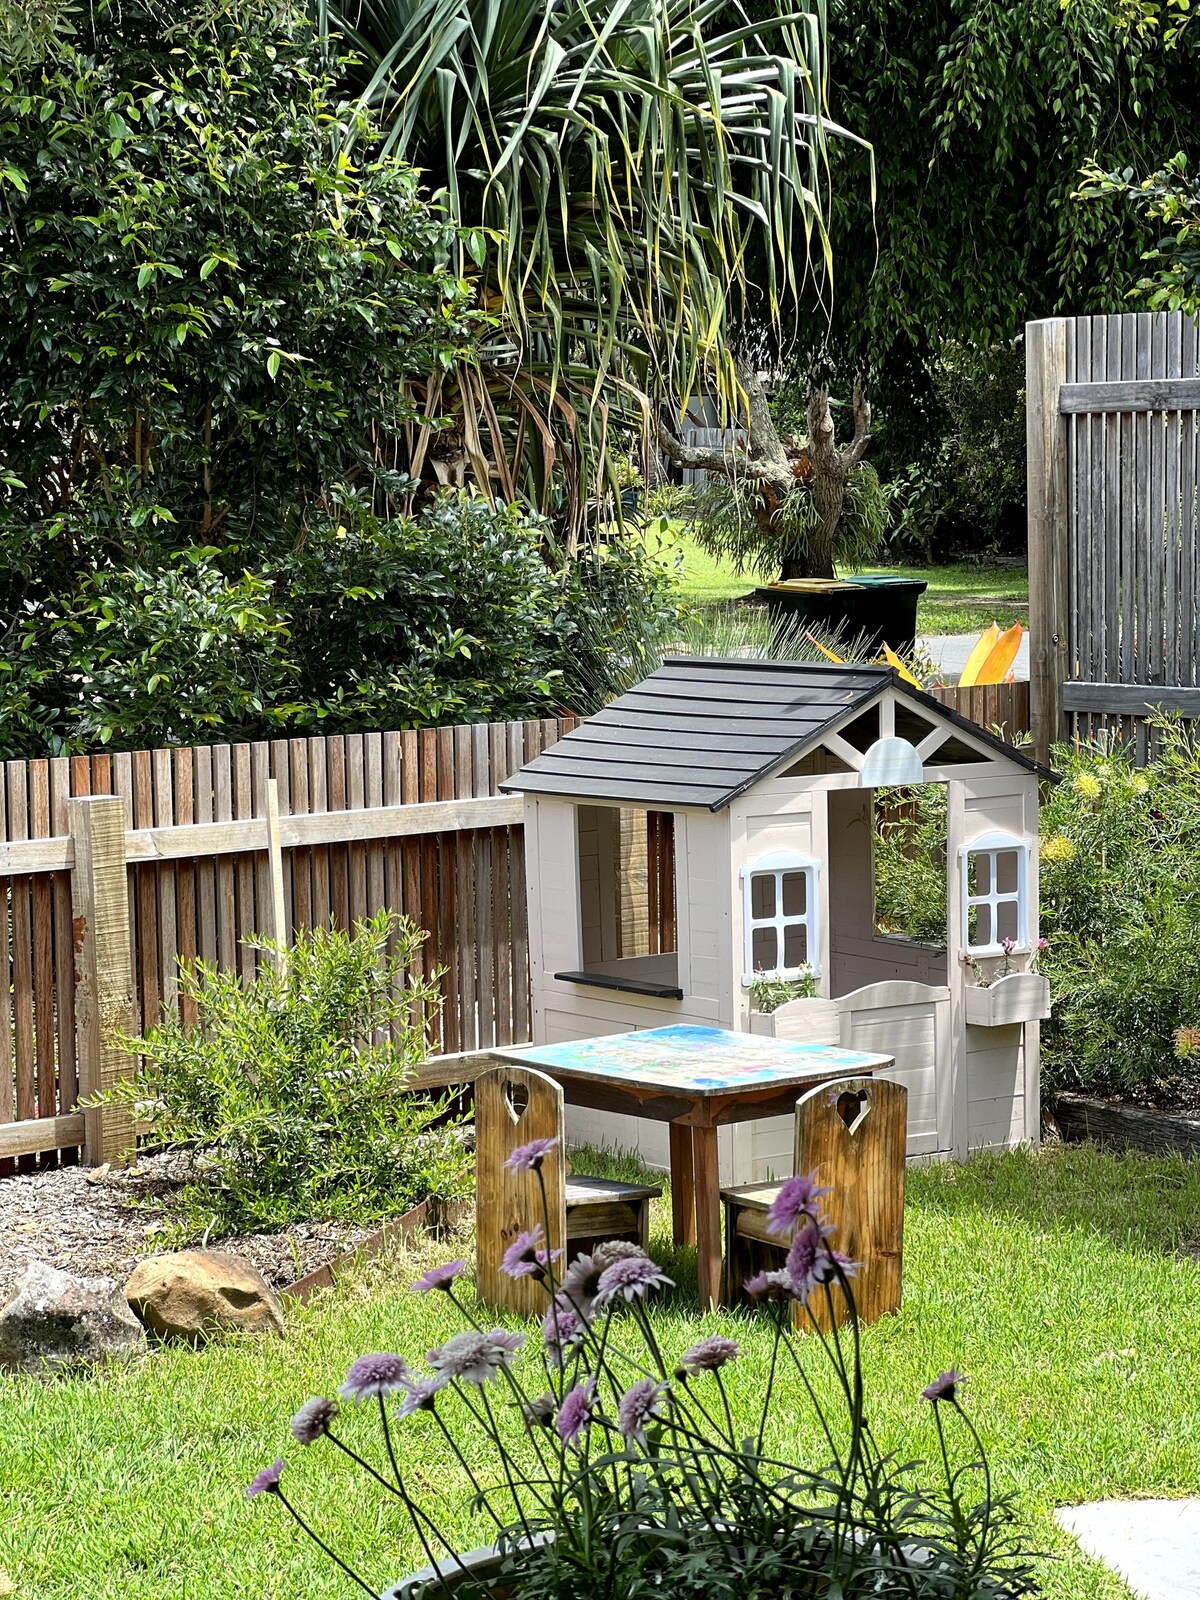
{"points": [[817, 643], [893, 660], [1001, 657], [984, 646]]}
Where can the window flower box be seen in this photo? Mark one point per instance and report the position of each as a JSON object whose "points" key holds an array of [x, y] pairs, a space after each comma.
{"points": [[1021, 997]]}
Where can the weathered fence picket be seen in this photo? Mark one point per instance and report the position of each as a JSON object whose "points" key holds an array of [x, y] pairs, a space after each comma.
{"points": [[1114, 533]]}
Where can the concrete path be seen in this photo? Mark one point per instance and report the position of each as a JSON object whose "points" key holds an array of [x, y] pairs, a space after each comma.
{"points": [[950, 651], [1153, 1544]]}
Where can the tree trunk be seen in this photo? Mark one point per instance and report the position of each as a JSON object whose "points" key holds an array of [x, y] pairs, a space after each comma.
{"points": [[776, 465]]}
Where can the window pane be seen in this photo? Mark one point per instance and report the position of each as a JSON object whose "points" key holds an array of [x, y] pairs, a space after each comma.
{"points": [[764, 950], [795, 894], [979, 874], [795, 945], [979, 926], [1006, 921], [1006, 871], [762, 895]]}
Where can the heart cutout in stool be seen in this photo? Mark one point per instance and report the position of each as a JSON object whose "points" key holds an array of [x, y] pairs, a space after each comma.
{"points": [[852, 1106]]}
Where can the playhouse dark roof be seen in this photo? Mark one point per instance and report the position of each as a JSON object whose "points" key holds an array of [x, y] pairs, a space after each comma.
{"points": [[701, 730]]}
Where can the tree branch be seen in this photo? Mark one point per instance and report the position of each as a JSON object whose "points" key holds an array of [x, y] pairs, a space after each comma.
{"points": [[862, 429]]}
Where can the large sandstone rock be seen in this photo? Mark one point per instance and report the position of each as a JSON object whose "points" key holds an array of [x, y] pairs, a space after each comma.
{"points": [[57, 1322], [196, 1292]]}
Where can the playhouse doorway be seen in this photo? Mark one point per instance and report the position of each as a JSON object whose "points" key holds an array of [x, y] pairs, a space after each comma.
{"points": [[887, 887]]}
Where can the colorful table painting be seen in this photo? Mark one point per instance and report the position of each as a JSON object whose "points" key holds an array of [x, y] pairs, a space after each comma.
{"points": [[698, 1080]]}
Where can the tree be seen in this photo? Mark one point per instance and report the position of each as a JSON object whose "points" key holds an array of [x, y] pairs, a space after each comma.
{"points": [[614, 173], [205, 306], [778, 501], [981, 115]]}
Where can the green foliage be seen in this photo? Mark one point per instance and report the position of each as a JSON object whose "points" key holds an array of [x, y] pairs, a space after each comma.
{"points": [[288, 1093], [737, 521], [981, 118], [203, 304], [910, 862], [1121, 910], [609, 215], [769, 993], [1170, 199]]}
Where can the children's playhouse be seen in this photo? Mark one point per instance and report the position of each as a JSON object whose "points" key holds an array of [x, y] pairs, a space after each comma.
{"points": [[758, 781]]}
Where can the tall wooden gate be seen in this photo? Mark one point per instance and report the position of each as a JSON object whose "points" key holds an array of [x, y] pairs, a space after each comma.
{"points": [[1114, 553]]}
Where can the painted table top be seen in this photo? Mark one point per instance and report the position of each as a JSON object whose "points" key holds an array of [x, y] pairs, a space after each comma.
{"points": [[694, 1060]]}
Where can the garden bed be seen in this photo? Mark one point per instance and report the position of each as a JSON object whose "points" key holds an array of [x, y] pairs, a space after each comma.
{"points": [[94, 1222], [1121, 1126]]}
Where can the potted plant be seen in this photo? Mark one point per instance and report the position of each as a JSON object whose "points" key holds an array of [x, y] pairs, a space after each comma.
{"points": [[794, 509], [1001, 995], [632, 1473], [769, 995]]}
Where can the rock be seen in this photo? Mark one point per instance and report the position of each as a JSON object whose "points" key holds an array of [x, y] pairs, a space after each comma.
{"points": [[57, 1322], [195, 1292]]}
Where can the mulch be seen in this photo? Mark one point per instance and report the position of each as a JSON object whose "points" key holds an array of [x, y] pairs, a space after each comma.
{"points": [[97, 1222]]}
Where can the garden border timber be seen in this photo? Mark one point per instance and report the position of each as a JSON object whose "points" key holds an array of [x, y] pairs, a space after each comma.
{"points": [[407, 819]]}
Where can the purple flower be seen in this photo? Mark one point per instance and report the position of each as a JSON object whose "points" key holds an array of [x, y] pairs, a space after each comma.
{"points": [[581, 1281], [441, 1277], [709, 1355], [810, 1261], [371, 1377], [312, 1420], [575, 1413], [538, 1413], [1043, 944], [615, 1250], [266, 1481], [475, 1357], [529, 1157], [562, 1329], [420, 1394], [1008, 946], [641, 1403], [943, 1387], [769, 1286], [527, 1255], [632, 1277], [797, 1199]]}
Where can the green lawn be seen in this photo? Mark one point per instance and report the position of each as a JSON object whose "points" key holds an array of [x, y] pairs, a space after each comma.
{"points": [[961, 598], [1064, 1284]]}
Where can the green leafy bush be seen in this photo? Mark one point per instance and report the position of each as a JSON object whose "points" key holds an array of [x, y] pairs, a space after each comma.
{"points": [[910, 862], [288, 1094], [1120, 892]]}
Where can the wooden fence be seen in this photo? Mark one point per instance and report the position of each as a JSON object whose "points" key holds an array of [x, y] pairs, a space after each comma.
{"points": [[411, 821], [407, 820], [1114, 551]]}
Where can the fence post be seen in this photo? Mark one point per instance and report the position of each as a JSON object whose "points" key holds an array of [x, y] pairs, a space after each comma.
{"points": [[1046, 458], [104, 974]]}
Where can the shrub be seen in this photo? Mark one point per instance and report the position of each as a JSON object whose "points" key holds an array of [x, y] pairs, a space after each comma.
{"points": [[1120, 891], [288, 1093]]}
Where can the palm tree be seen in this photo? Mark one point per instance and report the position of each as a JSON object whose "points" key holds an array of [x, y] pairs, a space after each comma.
{"points": [[635, 181]]}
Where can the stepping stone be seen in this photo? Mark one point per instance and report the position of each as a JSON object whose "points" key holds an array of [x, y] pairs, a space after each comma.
{"points": [[1153, 1544]]}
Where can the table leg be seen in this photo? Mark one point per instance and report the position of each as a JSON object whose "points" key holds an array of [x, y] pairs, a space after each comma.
{"points": [[683, 1185], [708, 1217]]}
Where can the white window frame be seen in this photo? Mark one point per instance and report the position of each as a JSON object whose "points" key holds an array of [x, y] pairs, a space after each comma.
{"points": [[777, 866], [995, 844]]}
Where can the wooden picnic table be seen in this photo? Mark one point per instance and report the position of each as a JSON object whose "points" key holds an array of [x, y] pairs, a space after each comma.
{"points": [[698, 1080]]}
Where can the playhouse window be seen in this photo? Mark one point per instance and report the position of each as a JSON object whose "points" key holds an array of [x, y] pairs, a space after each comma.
{"points": [[995, 874], [779, 916]]}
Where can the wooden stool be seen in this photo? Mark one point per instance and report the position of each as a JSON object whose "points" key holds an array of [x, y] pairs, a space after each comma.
{"points": [[512, 1106], [854, 1133]]}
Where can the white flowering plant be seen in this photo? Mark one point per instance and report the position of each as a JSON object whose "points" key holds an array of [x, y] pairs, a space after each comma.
{"points": [[633, 1479]]}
